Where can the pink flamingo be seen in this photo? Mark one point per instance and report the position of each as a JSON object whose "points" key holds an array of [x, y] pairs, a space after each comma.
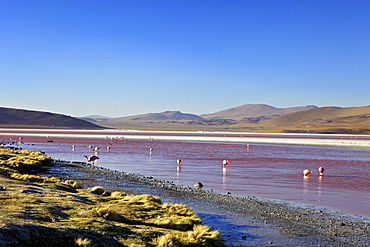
{"points": [[307, 172], [178, 165], [91, 159], [321, 171]]}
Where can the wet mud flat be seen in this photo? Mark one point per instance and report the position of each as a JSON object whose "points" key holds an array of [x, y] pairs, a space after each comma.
{"points": [[242, 221]]}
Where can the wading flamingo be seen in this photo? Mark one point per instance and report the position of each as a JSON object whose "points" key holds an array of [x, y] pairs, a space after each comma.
{"points": [[307, 172], [321, 171], [225, 162], [178, 165], [91, 159]]}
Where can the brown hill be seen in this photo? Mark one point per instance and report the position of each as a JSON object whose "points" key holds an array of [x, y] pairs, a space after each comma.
{"points": [[258, 111], [324, 119], [36, 119], [149, 119], [163, 116]]}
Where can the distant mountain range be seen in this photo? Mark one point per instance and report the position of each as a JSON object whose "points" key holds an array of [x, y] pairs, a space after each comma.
{"points": [[254, 111], [246, 118], [244, 112], [164, 116], [255, 118]]}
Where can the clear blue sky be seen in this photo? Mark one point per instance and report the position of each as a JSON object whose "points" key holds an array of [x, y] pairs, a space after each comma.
{"points": [[121, 58]]}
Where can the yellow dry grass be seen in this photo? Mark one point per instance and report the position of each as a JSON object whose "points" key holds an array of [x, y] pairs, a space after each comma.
{"points": [[41, 211]]}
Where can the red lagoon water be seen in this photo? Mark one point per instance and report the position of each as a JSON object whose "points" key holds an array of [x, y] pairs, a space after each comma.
{"points": [[268, 171]]}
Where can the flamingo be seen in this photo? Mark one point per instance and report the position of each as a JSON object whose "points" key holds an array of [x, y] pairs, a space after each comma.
{"points": [[321, 171], [91, 159], [198, 185], [225, 162], [307, 172], [178, 165], [150, 150]]}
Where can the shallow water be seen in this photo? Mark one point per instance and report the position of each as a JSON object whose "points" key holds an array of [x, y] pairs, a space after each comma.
{"points": [[269, 171]]}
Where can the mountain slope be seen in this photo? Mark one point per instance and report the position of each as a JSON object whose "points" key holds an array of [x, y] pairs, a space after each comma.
{"points": [[254, 111], [94, 118], [325, 119], [163, 116], [17, 117], [151, 120], [326, 114]]}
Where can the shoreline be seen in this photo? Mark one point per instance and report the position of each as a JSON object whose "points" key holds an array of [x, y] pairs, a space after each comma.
{"points": [[241, 220], [323, 140]]}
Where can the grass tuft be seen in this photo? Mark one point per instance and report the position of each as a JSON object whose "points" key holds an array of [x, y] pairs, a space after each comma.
{"points": [[23, 161], [98, 190], [117, 194], [84, 242], [72, 184]]}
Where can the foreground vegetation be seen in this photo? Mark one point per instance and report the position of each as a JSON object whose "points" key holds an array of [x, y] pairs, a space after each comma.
{"points": [[45, 211]]}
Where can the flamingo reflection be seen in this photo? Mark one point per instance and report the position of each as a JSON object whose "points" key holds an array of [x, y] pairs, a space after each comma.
{"points": [[224, 176]]}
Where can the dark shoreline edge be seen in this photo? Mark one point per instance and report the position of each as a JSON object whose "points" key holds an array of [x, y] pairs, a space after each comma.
{"points": [[242, 221]]}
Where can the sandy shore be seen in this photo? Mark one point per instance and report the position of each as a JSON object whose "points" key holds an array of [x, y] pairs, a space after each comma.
{"points": [[242, 221]]}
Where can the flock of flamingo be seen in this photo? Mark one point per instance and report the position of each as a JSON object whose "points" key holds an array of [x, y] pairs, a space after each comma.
{"points": [[307, 172], [93, 158]]}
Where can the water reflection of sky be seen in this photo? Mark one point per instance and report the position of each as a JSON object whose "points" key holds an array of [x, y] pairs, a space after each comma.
{"points": [[270, 171]]}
